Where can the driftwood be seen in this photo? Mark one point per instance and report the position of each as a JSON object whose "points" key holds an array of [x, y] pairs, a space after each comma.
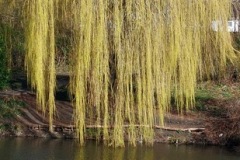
{"points": [[155, 127], [72, 127], [181, 129]]}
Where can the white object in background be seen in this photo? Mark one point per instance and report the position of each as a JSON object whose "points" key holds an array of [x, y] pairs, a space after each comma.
{"points": [[232, 26]]}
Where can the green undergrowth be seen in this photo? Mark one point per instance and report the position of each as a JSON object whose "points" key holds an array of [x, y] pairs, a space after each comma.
{"points": [[4, 73], [210, 94], [10, 108]]}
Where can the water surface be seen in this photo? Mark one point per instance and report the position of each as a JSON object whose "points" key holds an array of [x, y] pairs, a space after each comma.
{"points": [[57, 149]]}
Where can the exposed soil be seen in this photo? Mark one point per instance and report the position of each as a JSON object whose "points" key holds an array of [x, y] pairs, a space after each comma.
{"points": [[211, 122], [32, 122]]}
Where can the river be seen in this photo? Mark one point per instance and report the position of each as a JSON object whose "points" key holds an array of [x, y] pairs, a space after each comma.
{"points": [[58, 149]]}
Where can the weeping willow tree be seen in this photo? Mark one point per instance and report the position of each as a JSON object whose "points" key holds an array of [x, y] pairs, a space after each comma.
{"points": [[40, 52], [129, 58]]}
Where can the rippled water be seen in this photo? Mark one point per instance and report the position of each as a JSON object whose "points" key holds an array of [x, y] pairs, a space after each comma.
{"points": [[56, 149]]}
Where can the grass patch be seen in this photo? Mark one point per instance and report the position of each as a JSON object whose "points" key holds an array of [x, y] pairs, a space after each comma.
{"points": [[10, 108], [210, 93], [201, 97]]}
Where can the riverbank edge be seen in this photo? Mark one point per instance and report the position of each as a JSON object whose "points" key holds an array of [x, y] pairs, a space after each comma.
{"points": [[161, 135], [192, 127]]}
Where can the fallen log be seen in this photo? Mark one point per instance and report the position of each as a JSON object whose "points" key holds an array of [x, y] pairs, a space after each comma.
{"points": [[155, 127], [72, 127], [180, 129]]}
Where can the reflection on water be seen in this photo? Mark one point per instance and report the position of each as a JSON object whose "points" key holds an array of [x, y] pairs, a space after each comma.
{"points": [[56, 149]]}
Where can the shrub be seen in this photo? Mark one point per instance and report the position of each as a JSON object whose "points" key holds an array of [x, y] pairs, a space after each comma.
{"points": [[4, 73]]}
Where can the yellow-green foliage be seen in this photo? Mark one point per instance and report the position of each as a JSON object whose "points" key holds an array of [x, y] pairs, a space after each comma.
{"points": [[40, 52], [129, 58]]}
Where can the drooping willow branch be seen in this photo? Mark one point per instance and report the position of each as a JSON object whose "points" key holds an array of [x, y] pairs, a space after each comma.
{"points": [[129, 58]]}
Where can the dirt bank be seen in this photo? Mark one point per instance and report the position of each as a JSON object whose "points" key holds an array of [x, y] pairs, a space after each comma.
{"points": [[31, 122], [213, 120]]}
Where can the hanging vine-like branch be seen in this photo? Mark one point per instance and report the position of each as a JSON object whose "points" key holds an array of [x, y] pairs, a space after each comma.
{"points": [[129, 58]]}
